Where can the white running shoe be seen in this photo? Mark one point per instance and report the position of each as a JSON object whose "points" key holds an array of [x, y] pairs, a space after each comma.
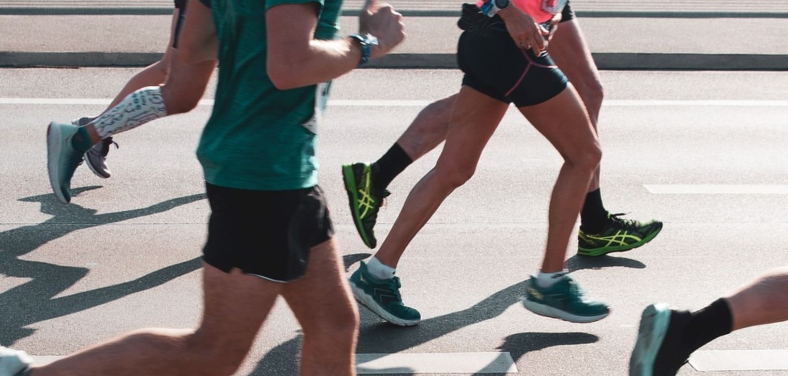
{"points": [[14, 362]]}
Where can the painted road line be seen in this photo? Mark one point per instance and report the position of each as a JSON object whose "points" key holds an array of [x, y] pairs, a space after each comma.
{"points": [[471, 363], [717, 189], [422, 103], [384, 364], [740, 360]]}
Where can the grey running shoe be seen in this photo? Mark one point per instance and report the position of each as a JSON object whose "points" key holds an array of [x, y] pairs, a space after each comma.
{"points": [[96, 157], [14, 362]]}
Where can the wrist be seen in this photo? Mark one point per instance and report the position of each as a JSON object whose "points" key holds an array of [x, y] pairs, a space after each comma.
{"points": [[366, 42]]}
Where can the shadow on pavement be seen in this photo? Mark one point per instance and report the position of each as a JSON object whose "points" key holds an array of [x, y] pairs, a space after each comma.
{"points": [[585, 262], [378, 337], [32, 301]]}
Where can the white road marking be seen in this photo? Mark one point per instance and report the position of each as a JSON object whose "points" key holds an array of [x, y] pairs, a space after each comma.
{"points": [[422, 103], [383, 364], [739, 360], [717, 189], [474, 363]]}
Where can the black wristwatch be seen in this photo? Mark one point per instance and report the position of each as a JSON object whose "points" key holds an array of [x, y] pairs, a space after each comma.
{"points": [[366, 42]]}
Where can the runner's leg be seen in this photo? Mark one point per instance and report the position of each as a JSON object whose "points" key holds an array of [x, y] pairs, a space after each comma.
{"points": [[321, 302], [235, 307]]}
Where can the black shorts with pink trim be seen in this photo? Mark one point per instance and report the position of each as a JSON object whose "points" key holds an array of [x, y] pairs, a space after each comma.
{"points": [[496, 67]]}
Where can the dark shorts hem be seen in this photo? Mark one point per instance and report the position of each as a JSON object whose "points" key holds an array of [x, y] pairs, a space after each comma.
{"points": [[267, 234], [567, 14]]}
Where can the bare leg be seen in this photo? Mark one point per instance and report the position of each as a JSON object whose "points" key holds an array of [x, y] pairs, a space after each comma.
{"points": [[321, 302], [429, 128], [764, 301], [475, 118], [152, 75], [564, 122], [235, 307], [191, 66], [569, 51]]}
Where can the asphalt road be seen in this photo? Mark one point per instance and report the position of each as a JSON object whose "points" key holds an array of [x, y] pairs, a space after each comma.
{"points": [[124, 254]]}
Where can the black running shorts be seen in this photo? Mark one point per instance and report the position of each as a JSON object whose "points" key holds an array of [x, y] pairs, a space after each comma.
{"points": [[180, 4], [265, 233], [496, 67], [568, 14]]}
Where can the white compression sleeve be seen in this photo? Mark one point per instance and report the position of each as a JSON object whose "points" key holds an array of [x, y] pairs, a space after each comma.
{"points": [[139, 107]]}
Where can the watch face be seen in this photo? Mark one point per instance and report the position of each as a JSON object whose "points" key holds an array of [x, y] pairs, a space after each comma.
{"points": [[501, 4], [372, 40]]}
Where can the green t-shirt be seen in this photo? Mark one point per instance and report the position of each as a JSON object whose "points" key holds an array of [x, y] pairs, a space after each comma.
{"points": [[259, 137]]}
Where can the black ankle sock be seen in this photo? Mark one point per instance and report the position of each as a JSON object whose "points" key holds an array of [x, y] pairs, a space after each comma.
{"points": [[593, 215], [389, 166], [708, 324], [81, 140]]}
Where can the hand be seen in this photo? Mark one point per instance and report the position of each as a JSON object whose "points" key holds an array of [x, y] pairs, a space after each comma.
{"points": [[527, 34], [554, 25], [383, 22]]}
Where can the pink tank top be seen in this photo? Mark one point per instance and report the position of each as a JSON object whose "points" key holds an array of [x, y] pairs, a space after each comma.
{"points": [[540, 10]]}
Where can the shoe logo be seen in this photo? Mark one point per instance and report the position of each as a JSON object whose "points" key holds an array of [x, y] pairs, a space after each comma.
{"points": [[620, 238], [366, 201], [536, 294], [384, 297]]}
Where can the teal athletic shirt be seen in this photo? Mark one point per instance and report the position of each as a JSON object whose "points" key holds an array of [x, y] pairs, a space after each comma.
{"points": [[260, 137]]}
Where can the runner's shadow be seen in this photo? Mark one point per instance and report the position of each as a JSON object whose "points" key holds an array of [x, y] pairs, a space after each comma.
{"points": [[377, 337], [33, 301], [522, 343], [577, 262]]}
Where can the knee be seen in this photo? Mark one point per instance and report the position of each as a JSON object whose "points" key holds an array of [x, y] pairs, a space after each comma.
{"points": [[214, 355], [454, 176], [593, 93], [180, 101], [340, 325], [587, 159]]}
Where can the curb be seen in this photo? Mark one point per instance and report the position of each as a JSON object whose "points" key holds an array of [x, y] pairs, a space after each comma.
{"points": [[156, 11], [604, 61]]}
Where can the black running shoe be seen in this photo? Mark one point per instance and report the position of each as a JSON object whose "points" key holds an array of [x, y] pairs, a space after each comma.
{"points": [[618, 235]]}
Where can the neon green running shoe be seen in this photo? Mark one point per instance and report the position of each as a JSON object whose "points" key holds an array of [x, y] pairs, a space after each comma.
{"points": [[618, 235], [382, 297], [62, 159], [364, 199]]}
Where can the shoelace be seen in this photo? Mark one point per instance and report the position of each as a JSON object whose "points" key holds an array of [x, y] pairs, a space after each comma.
{"points": [[105, 144], [394, 285], [629, 223]]}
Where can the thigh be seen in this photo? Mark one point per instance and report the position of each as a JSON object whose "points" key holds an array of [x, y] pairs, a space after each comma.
{"points": [[571, 54], [197, 40], [236, 305], [563, 120], [473, 121], [323, 293]]}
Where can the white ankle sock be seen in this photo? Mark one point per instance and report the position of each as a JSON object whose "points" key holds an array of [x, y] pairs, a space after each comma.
{"points": [[546, 280], [378, 270], [139, 107]]}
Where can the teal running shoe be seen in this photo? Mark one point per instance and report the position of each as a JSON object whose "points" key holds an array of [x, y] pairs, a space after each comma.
{"points": [[564, 300], [14, 362], [660, 349], [365, 200], [382, 297], [62, 159]]}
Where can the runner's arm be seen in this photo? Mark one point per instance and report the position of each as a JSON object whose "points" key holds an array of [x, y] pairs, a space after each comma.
{"points": [[295, 59]]}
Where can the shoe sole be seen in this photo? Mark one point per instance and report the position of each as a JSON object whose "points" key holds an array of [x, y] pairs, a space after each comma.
{"points": [[547, 311], [595, 252], [655, 319], [54, 148], [94, 169], [350, 188], [365, 300]]}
